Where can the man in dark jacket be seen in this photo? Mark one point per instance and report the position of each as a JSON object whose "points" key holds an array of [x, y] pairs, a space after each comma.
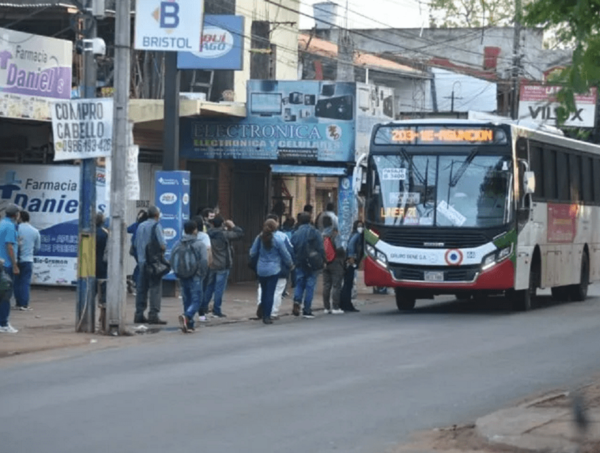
{"points": [[101, 264], [309, 259], [220, 235]]}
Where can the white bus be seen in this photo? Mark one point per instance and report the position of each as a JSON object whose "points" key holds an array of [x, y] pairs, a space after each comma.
{"points": [[473, 208]]}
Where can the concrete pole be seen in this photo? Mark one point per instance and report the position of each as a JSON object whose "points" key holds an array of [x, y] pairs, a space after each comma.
{"points": [[117, 291], [516, 70], [85, 311], [171, 113]]}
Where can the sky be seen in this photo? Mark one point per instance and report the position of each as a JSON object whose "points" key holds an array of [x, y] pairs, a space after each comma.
{"points": [[374, 13]]}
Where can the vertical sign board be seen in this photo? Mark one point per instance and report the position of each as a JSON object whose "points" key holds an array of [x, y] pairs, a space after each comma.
{"points": [[82, 128], [33, 71], [168, 25], [222, 46], [346, 208], [51, 195], [172, 193]]}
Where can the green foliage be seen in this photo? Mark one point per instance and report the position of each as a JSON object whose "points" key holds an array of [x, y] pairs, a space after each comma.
{"points": [[472, 13], [577, 22]]}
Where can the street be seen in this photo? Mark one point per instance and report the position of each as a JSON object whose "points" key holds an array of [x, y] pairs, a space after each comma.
{"points": [[353, 383]]}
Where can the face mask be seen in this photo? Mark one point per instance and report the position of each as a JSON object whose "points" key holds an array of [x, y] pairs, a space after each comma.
{"points": [[360, 230]]}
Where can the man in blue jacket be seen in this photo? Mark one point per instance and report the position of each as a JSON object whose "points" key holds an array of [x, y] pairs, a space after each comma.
{"points": [[309, 260]]}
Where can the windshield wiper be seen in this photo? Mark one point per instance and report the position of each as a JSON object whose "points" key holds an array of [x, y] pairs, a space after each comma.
{"points": [[414, 169], [461, 170]]}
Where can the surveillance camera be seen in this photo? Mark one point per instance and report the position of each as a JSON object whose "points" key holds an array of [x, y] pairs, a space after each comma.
{"points": [[96, 45]]}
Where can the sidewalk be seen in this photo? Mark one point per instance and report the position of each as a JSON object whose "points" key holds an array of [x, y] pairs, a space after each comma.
{"points": [[51, 324], [541, 425]]}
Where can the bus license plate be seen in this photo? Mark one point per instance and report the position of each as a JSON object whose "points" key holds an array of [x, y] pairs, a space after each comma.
{"points": [[431, 276]]}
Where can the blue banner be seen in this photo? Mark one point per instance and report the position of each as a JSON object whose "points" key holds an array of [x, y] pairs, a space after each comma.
{"points": [[287, 121], [347, 210], [222, 45], [172, 194]]}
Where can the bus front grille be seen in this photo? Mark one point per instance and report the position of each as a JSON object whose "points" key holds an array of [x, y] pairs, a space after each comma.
{"points": [[422, 238], [451, 274]]}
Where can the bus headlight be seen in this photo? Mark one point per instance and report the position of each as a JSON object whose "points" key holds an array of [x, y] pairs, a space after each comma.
{"points": [[494, 258], [377, 255]]}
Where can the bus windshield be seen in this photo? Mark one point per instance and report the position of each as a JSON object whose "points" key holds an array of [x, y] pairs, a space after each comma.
{"points": [[465, 190]]}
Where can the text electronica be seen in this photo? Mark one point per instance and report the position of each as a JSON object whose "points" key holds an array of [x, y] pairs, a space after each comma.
{"points": [[436, 135]]}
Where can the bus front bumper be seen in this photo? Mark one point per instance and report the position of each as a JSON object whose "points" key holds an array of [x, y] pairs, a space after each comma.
{"points": [[500, 277]]}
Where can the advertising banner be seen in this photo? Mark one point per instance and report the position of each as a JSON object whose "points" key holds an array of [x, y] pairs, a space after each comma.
{"points": [[168, 25], [82, 128], [172, 193], [374, 105], [33, 71], [538, 103], [51, 195], [347, 211], [222, 46], [286, 121]]}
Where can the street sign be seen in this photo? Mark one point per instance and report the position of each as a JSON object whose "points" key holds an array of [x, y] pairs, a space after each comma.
{"points": [[169, 25], [82, 128]]}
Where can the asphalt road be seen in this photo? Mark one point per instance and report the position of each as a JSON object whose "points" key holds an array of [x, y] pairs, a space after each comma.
{"points": [[352, 383]]}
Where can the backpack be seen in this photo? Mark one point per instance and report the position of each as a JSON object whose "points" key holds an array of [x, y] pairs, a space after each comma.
{"points": [[184, 260], [329, 249]]}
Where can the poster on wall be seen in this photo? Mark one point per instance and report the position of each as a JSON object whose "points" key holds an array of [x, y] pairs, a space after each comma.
{"points": [[51, 195], [172, 197], [34, 70], [374, 105], [287, 121]]}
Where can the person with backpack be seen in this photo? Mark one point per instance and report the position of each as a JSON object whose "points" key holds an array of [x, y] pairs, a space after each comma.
{"points": [[220, 235], [333, 274], [150, 245], [283, 275], [142, 216], [271, 255], [354, 255], [309, 260], [189, 261]]}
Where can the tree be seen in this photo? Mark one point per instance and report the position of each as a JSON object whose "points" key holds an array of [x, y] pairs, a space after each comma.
{"points": [[576, 22], [472, 13]]}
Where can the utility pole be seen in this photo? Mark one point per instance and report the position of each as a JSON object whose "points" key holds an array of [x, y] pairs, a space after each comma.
{"points": [[116, 289], [516, 69], [86, 259], [171, 113]]}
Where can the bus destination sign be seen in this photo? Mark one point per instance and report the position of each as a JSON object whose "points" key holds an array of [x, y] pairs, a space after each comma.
{"points": [[439, 135]]}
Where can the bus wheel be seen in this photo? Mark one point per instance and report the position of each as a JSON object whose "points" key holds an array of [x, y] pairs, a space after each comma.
{"points": [[579, 292], [524, 300], [404, 300]]}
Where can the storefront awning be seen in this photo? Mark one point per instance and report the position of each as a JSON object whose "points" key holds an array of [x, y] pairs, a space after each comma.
{"points": [[308, 170]]}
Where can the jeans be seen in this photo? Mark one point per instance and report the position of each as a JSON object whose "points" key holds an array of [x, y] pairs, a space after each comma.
{"points": [[146, 286], [333, 277], [22, 284], [267, 286], [191, 294], [5, 301], [217, 282], [346, 294], [279, 289], [305, 286]]}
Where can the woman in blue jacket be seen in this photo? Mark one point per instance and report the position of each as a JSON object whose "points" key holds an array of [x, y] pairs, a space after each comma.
{"points": [[271, 255]]}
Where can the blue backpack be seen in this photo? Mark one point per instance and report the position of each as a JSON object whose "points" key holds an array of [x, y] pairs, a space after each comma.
{"points": [[184, 260]]}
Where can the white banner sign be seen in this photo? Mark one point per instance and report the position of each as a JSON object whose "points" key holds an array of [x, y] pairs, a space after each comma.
{"points": [[82, 128], [133, 179], [33, 71], [538, 103], [169, 25]]}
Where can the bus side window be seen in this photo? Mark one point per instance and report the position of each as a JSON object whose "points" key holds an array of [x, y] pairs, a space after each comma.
{"points": [[536, 165]]}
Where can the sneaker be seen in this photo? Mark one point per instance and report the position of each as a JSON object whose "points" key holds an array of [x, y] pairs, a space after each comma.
{"points": [[21, 308], [259, 312], [191, 329], [337, 311], [327, 312], [219, 315], [308, 315], [8, 329], [183, 323], [202, 318], [296, 309]]}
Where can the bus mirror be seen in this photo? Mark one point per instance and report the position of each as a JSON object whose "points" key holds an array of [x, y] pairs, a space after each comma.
{"points": [[529, 182]]}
